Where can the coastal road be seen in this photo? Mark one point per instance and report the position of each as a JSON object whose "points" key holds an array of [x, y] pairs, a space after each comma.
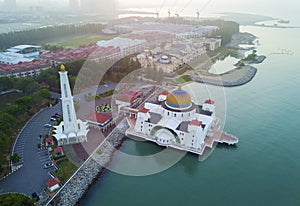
{"points": [[31, 177]]}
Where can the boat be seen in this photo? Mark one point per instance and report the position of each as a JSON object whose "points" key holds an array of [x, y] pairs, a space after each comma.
{"points": [[281, 21]]}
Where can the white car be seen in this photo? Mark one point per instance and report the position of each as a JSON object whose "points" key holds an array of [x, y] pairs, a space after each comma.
{"points": [[47, 125], [48, 165]]}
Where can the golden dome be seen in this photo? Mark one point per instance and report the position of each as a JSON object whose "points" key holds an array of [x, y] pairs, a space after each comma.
{"points": [[178, 99], [62, 68]]}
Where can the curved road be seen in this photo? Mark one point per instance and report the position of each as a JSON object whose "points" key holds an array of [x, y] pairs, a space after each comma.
{"points": [[31, 177]]}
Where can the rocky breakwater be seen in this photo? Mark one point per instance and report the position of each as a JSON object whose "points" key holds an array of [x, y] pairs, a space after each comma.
{"points": [[236, 77], [92, 169]]}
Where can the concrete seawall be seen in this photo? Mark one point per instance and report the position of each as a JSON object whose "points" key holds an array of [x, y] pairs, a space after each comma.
{"points": [[220, 81]]}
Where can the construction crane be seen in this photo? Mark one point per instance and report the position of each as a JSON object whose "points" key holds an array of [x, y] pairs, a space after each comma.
{"points": [[198, 14], [157, 14]]}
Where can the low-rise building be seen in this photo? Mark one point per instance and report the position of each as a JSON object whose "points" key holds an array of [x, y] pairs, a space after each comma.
{"points": [[99, 121], [49, 141], [127, 46], [53, 184], [59, 151]]}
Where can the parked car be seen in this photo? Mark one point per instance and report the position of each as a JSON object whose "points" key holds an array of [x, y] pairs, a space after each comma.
{"points": [[47, 125], [53, 119], [57, 115], [48, 165]]}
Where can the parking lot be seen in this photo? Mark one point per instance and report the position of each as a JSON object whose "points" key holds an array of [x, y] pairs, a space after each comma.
{"points": [[32, 175]]}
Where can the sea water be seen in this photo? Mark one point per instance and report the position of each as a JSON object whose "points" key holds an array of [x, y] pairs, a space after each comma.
{"points": [[263, 169]]}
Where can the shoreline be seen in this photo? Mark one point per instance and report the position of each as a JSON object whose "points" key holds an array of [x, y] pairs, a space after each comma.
{"points": [[77, 189], [100, 174], [225, 79], [92, 170]]}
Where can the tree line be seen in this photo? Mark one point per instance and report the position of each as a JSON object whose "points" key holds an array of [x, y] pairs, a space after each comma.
{"points": [[16, 113], [86, 73], [226, 29], [40, 35]]}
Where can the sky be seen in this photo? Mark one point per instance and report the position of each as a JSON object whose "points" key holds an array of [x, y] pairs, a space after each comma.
{"points": [[267, 7]]}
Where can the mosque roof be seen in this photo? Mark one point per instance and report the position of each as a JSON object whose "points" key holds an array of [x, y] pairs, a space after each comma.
{"points": [[179, 99]]}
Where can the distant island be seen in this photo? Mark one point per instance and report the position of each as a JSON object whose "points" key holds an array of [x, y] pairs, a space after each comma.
{"points": [[257, 20]]}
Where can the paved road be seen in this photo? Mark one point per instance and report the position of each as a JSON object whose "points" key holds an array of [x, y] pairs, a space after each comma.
{"points": [[31, 177]]}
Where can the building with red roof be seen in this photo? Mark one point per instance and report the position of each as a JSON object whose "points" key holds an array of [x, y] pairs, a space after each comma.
{"points": [[59, 151], [126, 101], [144, 110], [98, 120], [131, 93], [196, 122], [53, 184], [209, 105], [163, 96], [209, 101], [126, 98], [49, 141]]}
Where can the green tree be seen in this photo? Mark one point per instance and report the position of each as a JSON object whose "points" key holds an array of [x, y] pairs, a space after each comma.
{"points": [[15, 109], [6, 83], [15, 158], [25, 101], [6, 123], [27, 85], [15, 199]]}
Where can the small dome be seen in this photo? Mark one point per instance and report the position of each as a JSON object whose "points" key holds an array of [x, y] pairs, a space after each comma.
{"points": [[179, 99], [72, 135]]}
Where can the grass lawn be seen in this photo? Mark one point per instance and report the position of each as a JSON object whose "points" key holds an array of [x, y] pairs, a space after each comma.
{"points": [[66, 169], [7, 99], [76, 41]]}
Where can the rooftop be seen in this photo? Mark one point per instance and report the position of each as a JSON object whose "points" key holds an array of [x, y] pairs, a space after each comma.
{"points": [[49, 139], [154, 118], [209, 101], [144, 110], [120, 42], [98, 117], [126, 98], [52, 182], [58, 150], [196, 122]]}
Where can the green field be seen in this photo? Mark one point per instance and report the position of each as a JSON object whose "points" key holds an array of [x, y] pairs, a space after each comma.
{"points": [[77, 41], [7, 99], [66, 169]]}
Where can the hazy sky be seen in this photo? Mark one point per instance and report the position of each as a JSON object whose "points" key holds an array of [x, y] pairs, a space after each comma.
{"points": [[268, 7]]}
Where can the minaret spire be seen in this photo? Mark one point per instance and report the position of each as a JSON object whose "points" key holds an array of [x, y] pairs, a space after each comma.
{"points": [[71, 130]]}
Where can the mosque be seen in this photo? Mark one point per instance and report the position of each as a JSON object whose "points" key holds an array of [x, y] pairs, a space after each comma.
{"points": [[176, 121]]}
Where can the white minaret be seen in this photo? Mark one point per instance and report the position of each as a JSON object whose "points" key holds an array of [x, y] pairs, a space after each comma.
{"points": [[71, 130]]}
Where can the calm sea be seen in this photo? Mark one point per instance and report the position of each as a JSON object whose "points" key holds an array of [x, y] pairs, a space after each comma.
{"points": [[263, 169]]}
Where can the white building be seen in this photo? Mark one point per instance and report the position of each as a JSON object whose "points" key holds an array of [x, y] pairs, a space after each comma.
{"points": [[20, 53], [179, 123], [71, 130], [53, 184], [127, 46], [211, 44]]}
